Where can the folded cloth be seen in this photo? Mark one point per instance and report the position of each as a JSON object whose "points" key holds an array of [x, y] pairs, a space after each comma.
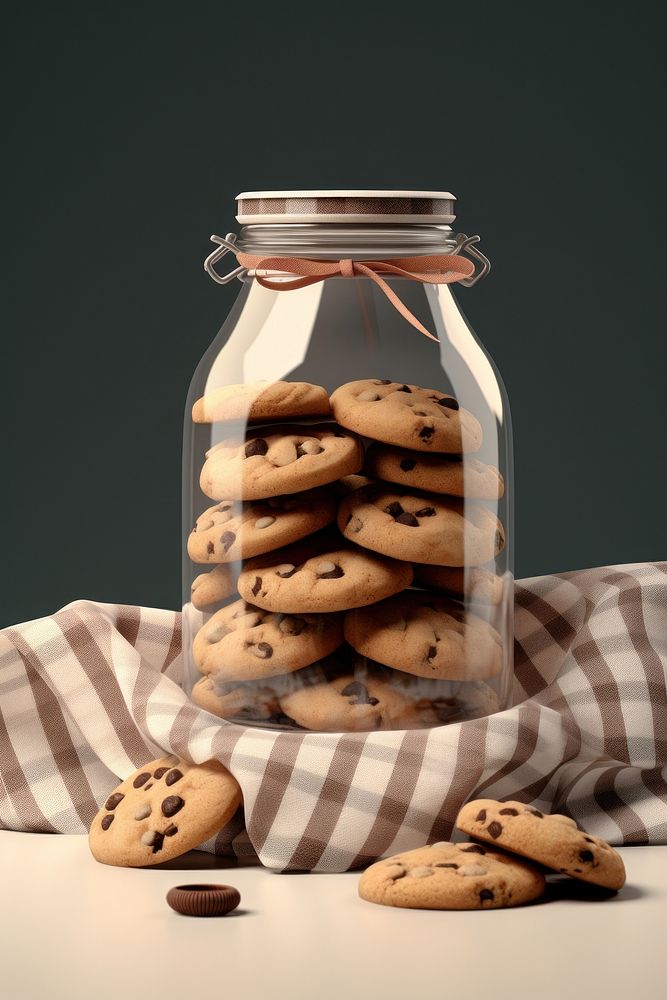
{"points": [[91, 693]]}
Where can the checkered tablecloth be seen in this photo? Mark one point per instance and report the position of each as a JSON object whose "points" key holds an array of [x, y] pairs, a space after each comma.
{"points": [[90, 693]]}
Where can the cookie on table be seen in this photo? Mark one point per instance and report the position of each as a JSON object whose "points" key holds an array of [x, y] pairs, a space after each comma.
{"points": [[260, 401], [230, 531], [472, 582], [454, 475], [322, 574], [161, 811], [552, 840], [244, 642], [212, 587], [406, 415], [286, 460], [427, 635], [422, 528], [451, 877]]}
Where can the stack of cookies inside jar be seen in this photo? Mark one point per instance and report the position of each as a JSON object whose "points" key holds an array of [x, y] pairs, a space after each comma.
{"points": [[351, 545]]}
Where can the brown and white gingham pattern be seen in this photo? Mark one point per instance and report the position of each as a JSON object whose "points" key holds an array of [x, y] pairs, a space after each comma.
{"points": [[91, 693]]}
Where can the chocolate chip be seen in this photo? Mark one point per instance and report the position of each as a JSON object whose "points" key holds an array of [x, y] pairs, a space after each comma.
{"points": [[113, 800], [448, 865], [425, 512], [536, 812], [485, 894], [210, 548], [394, 508], [481, 816], [332, 574], [409, 519], [107, 821], [146, 787], [173, 776], [172, 804], [227, 540], [256, 447], [450, 403], [509, 812], [587, 856], [158, 841], [263, 650], [405, 388], [426, 433], [160, 771], [498, 541], [382, 381], [286, 570], [579, 870], [473, 849], [257, 586], [588, 840], [141, 779], [408, 464], [171, 830], [495, 829], [432, 650], [361, 692]]}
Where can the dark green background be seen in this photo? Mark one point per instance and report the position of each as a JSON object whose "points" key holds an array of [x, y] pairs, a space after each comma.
{"points": [[131, 127]]}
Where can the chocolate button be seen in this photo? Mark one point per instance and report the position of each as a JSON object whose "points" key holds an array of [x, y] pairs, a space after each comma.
{"points": [[203, 900], [171, 805]]}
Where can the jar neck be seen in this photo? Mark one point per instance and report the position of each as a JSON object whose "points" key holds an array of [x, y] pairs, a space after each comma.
{"points": [[367, 242]]}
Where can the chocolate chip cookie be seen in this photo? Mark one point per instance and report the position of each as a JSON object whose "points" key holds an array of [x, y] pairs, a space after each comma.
{"points": [[353, 703], [244, 642], [552, 840], [406, 415], [454, 475], [439, 702], [161, 811], [474, 583], [252, 701], [261, 401], [321, 573], [451, 877], [212, 587], [421, 528], [286, 460], [230, 530], [426, 635]]}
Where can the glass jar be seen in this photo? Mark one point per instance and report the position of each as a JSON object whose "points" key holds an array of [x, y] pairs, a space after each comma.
{"points": [[347, 478]]}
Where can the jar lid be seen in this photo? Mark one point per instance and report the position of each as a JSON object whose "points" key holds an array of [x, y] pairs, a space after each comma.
{"points": [[307, 207]]}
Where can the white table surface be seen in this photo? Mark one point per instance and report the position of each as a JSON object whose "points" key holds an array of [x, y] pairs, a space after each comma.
{"points": [[72, 929]]}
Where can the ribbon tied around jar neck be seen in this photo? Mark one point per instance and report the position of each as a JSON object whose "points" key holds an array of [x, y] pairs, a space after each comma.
{"points": [[270, 272], [437, 269]]}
